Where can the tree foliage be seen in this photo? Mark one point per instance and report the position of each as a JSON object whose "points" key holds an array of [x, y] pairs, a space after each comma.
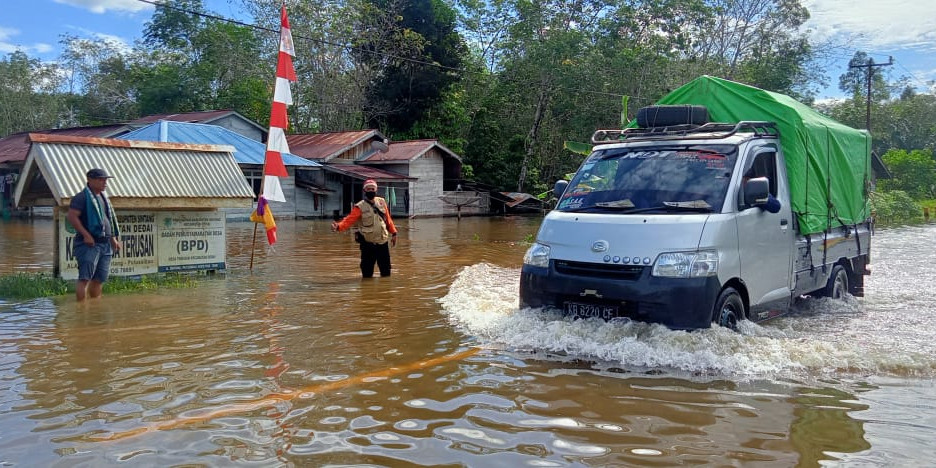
{"points": [[28, 97], [914, 172]]}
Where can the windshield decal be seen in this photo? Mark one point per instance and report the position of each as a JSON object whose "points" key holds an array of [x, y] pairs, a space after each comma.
{"points": [[574, 203]]}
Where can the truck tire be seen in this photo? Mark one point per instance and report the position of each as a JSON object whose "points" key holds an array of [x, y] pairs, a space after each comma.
{"points": [[664, 116], [837, 286], [729, 309]]}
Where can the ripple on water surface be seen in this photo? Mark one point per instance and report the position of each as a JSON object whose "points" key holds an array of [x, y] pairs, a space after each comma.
{"points": [[819, 337]]}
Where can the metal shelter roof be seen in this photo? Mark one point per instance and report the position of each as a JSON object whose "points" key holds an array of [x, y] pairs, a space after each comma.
{"points": [[247, 151], [147, 175]]}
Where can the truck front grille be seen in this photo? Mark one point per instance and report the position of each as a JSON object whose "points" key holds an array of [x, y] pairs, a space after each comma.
{"points": [[599, 270]]}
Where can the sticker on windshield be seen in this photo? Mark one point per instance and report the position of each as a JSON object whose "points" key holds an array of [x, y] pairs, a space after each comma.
{"points": [[574, 203], [711, 160]]}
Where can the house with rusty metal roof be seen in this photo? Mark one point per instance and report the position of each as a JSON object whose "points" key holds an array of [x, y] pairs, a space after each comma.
{"points": [[436, 172], [412, 175], [304, 189]]}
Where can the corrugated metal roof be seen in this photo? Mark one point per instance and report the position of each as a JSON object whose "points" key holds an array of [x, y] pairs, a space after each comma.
{"points": [[321, 146], [247, 151], [205, 117], [201, 116], [14, 148], [365, 172], [402, 151], [146, 174]]}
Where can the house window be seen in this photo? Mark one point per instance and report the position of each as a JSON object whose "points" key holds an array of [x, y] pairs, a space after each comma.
{"points": [[255, 179]]}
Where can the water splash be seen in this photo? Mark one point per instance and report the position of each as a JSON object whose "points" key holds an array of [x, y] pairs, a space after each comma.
{"points": [[821, 337]]}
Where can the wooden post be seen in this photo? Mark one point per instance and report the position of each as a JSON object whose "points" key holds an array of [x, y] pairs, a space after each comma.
{"points": [[253, 243], [56, 232]]}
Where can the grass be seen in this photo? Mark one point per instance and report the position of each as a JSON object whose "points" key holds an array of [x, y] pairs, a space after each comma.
{"points": [[33, 285]]}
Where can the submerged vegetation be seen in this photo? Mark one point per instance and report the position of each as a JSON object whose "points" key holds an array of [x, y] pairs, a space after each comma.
{"points": [[33, 285]]}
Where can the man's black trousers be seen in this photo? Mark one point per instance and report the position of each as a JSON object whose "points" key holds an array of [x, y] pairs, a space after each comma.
{"points": [[371, 253]]}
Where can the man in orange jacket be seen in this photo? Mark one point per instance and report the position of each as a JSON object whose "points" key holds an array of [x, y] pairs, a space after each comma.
{"points": [[374, 230]]}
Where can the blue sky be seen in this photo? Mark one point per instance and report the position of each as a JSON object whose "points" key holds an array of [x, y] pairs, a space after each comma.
{"points": [[904, 29]]}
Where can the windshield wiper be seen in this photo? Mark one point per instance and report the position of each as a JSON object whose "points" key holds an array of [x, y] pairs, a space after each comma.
{"points": [[699, 206], [609, 205]]}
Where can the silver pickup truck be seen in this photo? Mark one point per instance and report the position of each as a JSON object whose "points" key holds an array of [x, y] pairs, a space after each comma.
{"points": [[688, 226]]}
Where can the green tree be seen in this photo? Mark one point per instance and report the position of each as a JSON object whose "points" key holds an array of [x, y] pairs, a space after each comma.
{"points": [[422, 31], [100, 89], [187, 62], [914, 172], [911, 122], [855, 80], [29, 94]]}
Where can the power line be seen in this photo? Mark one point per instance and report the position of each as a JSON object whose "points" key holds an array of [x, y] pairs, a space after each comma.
{"points": [[914, 76]]}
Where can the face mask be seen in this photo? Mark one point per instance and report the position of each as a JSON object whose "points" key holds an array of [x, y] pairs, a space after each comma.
{"points": [[370, 195]]}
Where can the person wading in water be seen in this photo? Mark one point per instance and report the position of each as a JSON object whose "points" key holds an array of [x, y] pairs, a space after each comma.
{"points": [[374, 230], [97, 235]]}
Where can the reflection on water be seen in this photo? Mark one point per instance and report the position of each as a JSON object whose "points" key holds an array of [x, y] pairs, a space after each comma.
{"points": [[303, 362]]}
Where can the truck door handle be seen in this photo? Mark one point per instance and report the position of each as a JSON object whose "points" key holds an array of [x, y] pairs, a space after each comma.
{"points": [[784, 222]]}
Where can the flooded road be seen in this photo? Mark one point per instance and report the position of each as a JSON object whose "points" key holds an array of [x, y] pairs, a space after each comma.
{"points": [[301, 362]]}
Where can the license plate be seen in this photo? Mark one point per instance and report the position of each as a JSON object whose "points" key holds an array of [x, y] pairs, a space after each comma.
{"points": [[578, 309]]}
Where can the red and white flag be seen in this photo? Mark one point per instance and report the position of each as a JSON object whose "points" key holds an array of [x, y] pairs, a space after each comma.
{"points": [[273, 167]]}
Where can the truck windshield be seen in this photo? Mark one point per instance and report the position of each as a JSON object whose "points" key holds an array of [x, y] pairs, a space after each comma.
{"points": [[691, 178]]}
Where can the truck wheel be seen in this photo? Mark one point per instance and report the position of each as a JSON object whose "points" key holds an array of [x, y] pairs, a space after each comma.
{"points": [[838, 283], [729, 309]]}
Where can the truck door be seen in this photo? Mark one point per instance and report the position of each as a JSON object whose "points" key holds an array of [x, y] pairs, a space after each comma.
{"points": [[765, 239]]}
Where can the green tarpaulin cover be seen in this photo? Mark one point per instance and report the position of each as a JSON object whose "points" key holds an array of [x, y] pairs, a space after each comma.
{"points": [[828, 163]]}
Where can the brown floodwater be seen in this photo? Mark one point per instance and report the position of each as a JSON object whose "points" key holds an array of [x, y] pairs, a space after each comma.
{"points": [[301, 362]]}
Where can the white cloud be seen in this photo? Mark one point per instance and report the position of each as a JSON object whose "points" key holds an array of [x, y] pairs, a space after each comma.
{"points": [[42, 47], [6, 47], [103, 6], [5, 33], [875, 23]]}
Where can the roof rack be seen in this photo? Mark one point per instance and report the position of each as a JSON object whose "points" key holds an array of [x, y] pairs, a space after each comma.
{"points": [[687, 131]]}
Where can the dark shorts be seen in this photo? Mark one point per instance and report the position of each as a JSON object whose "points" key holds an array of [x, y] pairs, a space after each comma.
{"points": [[93, 262]]}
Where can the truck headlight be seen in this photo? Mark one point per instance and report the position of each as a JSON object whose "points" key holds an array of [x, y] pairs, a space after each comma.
{"points": [[686, 264], [537, 255]]}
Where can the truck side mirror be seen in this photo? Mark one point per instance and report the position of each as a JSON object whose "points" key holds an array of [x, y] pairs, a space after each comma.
{"points": [[560, 187], [756, 191]]}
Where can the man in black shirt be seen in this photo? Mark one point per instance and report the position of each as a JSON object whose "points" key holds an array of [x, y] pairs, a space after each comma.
{"points": [[97, 234]]}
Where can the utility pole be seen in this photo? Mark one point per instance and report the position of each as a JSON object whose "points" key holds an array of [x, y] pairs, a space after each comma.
{"points": [[870, 66]]}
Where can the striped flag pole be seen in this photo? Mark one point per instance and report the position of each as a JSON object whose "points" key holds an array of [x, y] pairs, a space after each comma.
{"points": [[273, 167]]}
